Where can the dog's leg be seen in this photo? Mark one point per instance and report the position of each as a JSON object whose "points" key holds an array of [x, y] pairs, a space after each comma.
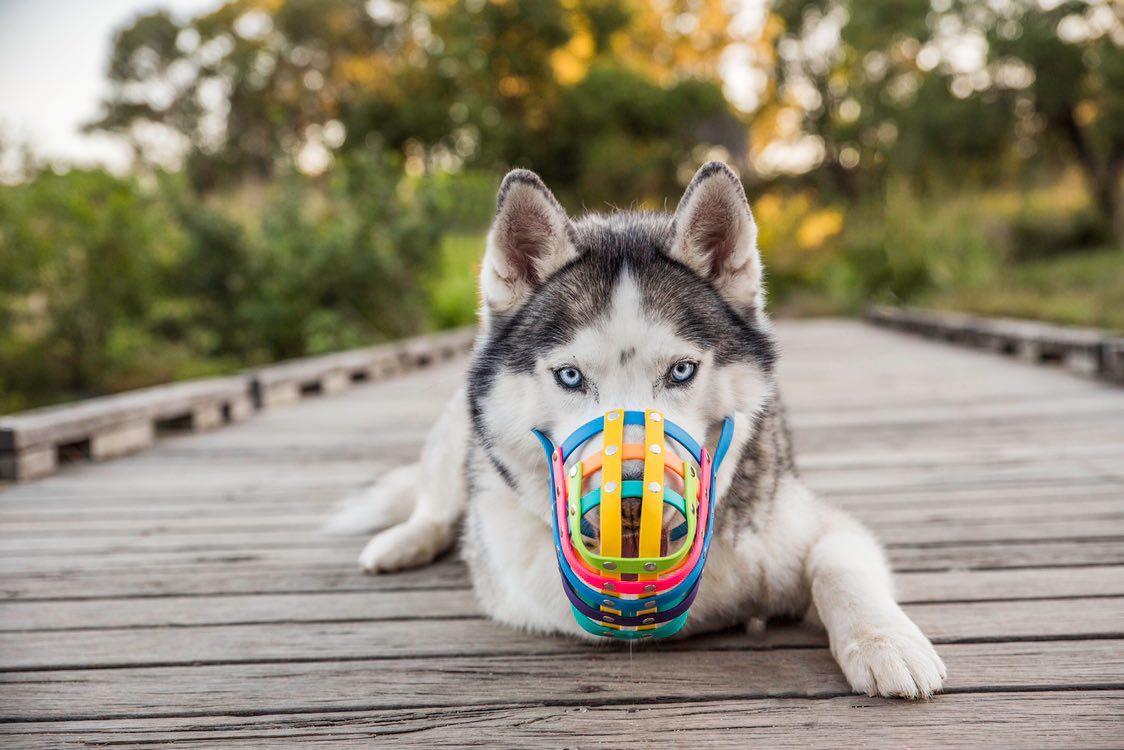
{"points": [[881, 651], [389, 501], [439, 494]]}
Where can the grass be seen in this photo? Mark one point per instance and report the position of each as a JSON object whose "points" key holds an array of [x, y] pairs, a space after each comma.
{"points": [[1083, 287], [453, 286]]}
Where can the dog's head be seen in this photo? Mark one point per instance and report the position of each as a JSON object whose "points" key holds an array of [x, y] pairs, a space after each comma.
{"points": [[627, 310]]}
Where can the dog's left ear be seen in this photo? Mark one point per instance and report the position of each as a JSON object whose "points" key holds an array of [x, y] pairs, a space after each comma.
{"points": [[715, 235], [531, 238]]}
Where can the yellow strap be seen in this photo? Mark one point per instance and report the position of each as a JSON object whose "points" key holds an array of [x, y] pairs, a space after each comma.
{"points": [[651, 508], [613, 449]]}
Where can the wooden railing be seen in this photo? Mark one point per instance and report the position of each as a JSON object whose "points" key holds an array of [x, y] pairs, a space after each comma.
{"points": [[36, 442], [1086, 351]]}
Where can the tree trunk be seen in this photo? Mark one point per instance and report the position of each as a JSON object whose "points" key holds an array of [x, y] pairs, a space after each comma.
{"points": [[1103, 176]]}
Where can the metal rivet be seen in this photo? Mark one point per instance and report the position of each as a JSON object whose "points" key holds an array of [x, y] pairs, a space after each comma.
{"points": [[656, 416], [651, 603], [607, 602], [648, 620], [607, 618], [609, 565], [654, 487], [610, 587], [610, 487], [574, 471], [614, 415], [650, 587], [649, 567], [654, 448], [573, 510], [611, 450]]}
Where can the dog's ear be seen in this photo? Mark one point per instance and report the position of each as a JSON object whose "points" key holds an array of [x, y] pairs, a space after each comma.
{"points": [[715, 235], [531, 238]]}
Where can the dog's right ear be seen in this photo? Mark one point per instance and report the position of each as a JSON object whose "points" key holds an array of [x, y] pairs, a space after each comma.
{"points": [[531, 238]]}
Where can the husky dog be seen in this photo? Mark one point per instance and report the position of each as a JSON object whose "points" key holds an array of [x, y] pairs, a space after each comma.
{"points": [[638, 311]]}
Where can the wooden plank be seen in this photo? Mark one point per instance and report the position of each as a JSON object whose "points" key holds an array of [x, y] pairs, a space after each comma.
{"points": [[590, 676], [245, 576], [328, 600], [1010, 720], [304, 535], [1011, 620], [304, 516], [159, 564], [1033, 500], [226, 578]]}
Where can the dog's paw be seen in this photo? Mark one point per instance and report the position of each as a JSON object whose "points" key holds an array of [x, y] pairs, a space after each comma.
{"points": [[407, 545], [894, 661]]}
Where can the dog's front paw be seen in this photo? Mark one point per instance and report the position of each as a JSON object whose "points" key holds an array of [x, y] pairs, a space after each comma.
{"points": [[407, 545], [894, 661]]}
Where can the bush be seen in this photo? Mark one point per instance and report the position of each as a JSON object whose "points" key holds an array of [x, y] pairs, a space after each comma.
{"points": [[83, 258], [106, 285], [341, 262], [1042, 234]]}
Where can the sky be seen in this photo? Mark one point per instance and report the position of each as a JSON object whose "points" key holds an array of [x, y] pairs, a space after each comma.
{"points": [[53, 55]]}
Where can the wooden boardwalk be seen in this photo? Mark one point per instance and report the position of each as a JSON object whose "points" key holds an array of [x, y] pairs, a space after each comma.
{"points": [[183, 595]]}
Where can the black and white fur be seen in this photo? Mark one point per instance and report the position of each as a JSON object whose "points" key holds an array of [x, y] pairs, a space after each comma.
{"points": [[623, 298]]}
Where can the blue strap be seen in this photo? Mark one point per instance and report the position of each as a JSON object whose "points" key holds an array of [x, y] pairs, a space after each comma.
{"points": [[597, 425]]}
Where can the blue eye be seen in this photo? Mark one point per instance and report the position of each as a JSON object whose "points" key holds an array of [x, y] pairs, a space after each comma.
{"points": [[682, 372], [570, 378]]}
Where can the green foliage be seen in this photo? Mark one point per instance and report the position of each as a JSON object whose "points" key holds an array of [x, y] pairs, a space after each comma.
{"points": [[453, 286], [83, 261], [340, 264], [890, 100], [1077, 288], [463, 201], [620, 136], [105, 285]]}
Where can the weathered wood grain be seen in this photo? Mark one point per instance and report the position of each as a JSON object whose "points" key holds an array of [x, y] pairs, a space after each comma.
{"points": [[363, 635], [1010, 720], [333, 598], [594, 677]]}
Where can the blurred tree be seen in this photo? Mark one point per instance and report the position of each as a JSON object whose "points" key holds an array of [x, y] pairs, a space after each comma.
{"points": [[340, 264], [448, 83], [253, 82], [856, 83], [1063, 70], [937, 89], [82, 258]]}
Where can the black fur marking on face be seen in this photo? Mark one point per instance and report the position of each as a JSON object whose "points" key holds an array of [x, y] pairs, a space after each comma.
{"points": [[581, 292], [627, 355]]}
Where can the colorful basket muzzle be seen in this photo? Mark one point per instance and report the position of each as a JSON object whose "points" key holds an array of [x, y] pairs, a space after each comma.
{"points": [[631, 550]]}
